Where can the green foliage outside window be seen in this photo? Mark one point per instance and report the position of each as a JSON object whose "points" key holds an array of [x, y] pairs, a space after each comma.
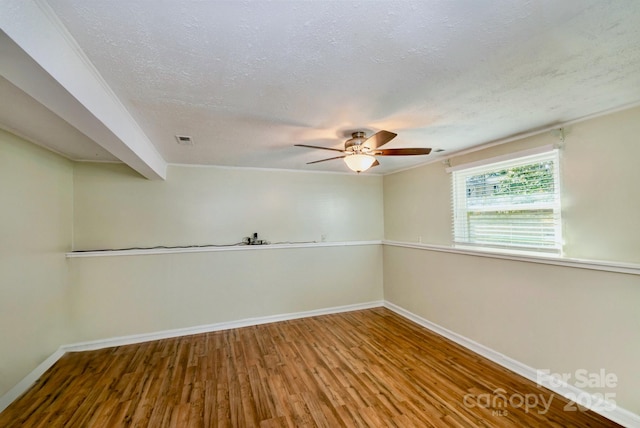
{"points": [[528, 179]]}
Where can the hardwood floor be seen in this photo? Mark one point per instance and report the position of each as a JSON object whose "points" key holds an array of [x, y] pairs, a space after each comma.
{"points": [[363, 368]]}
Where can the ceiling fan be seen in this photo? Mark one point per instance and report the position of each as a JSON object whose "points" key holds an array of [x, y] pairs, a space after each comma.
{"points": [[360, 151]]}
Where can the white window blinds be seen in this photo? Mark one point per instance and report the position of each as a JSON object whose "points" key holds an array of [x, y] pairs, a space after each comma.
{"points": [[513, 204]]}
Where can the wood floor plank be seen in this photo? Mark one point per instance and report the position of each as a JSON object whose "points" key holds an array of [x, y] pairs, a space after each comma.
{"points": [[369, 368]]}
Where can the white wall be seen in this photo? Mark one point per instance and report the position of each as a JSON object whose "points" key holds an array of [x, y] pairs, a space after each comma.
{"points": [[116, 208], [35, 232], [548, 317]]}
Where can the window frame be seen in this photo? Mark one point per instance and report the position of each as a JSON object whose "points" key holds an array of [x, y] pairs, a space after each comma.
{"points": [[461, 226]]}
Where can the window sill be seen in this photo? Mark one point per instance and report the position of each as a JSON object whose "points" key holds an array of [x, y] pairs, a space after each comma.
{"points": [[601, 265], [508, 252]]}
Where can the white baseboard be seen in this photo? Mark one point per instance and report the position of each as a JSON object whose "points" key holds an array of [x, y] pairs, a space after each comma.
{"points": [[29, 380], [608, 410], [167, 334]]}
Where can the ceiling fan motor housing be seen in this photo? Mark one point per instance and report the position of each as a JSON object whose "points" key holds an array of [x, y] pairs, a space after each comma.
{"points": [[355, 142]]}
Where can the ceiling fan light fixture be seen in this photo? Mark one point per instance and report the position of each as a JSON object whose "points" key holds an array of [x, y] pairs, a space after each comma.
{"points": [[359, 162]]}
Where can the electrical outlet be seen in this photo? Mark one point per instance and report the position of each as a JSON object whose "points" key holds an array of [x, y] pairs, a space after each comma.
{"points": [[253, 240]]}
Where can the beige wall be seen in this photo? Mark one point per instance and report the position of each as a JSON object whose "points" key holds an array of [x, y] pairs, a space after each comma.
{"points": [[47, 300], [117, 296], [548, 317], [600, 199], [35, 232], [417, 205], [115, 208], [601, 193]]}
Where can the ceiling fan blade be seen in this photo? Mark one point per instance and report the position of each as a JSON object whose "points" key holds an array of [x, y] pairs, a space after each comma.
{"points": [[318, 147], [324, 160], [401, 152], [378, 139], [376, 163]]}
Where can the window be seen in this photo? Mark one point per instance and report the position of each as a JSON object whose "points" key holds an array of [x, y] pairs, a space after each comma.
{"points": [[509, 204]]}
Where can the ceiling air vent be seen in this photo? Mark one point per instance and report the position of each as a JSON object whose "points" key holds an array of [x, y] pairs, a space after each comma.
{"points": [[184, 140]]}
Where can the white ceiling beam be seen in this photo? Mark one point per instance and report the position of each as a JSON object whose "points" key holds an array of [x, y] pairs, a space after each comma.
{"points": [[42, 59]]}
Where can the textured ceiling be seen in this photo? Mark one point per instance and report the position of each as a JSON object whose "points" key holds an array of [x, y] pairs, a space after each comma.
{"points": [[248, 79]]}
